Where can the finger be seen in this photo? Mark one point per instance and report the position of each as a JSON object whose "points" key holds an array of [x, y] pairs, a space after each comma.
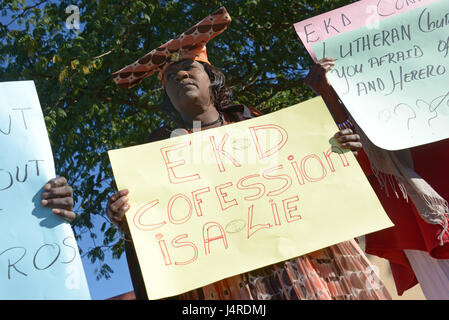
{"points": [[118, 195], [55, 182], [328, 66], [329, 63], [349, 138], [343, 132], [58, 192], [116, 205], [326, 59], [353, 146], [65, 214], [117, 217], [59, 203], [320, 69]]}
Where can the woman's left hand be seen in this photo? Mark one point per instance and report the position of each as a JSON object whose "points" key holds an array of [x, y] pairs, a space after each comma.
{"points": [[58, 195], [348, 139]]}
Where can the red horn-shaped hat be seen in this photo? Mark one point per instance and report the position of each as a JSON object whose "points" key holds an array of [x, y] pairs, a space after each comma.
{"points": [[189, 45]]}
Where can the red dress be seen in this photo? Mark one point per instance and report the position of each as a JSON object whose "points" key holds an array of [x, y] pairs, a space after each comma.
{"points": [[431, 162]]}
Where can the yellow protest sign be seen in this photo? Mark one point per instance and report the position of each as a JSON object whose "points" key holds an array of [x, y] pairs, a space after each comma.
{"points": [[220, 202]]}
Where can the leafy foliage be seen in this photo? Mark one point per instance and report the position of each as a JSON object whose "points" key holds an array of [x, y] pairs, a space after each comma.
{"points": [[86, 114]]}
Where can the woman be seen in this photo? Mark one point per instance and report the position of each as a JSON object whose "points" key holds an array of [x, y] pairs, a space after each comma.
{"points": [[417, 247], [196, 91]]}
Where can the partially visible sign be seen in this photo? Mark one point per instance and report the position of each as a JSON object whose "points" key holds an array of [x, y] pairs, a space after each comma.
{"points": [[394, 79], [363, 13], [39, 257]]}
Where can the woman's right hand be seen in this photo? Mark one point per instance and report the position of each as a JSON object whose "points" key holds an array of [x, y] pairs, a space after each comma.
{"points": [[117, 207], [316, 78]]}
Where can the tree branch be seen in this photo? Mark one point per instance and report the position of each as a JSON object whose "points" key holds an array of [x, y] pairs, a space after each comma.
{"points": [[25, 10]]}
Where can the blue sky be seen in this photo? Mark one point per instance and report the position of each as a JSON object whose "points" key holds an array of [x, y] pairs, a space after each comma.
{"points": [[120, 281]]}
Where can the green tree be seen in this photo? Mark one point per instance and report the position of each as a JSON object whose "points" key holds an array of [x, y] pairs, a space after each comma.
{"points": [[86, 114]]}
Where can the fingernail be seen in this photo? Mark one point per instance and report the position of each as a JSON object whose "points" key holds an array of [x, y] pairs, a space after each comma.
{"points": [[56, 211], [44, 195], [44, 202], [47, 186]]}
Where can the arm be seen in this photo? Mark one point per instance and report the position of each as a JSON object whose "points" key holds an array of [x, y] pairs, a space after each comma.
{"points": [[316, 79]]}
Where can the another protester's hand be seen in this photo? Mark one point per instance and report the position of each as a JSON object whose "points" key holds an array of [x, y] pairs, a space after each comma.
{"points": [[348, 139], [117, 207], [316, 78], [58, 195]]}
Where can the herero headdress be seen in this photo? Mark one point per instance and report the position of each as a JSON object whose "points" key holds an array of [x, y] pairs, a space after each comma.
{"points": [[189, 45]]}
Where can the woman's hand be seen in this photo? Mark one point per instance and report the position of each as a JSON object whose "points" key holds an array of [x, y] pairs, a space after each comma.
{"points": [[58, 195], [117, 207], [348, 140], [316, 78]]}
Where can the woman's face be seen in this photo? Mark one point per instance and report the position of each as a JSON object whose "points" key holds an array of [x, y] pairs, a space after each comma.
{"points": [[187, 85]]}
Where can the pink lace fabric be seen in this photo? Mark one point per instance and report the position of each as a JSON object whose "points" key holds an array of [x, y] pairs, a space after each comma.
{"points": [[339, 272]]}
